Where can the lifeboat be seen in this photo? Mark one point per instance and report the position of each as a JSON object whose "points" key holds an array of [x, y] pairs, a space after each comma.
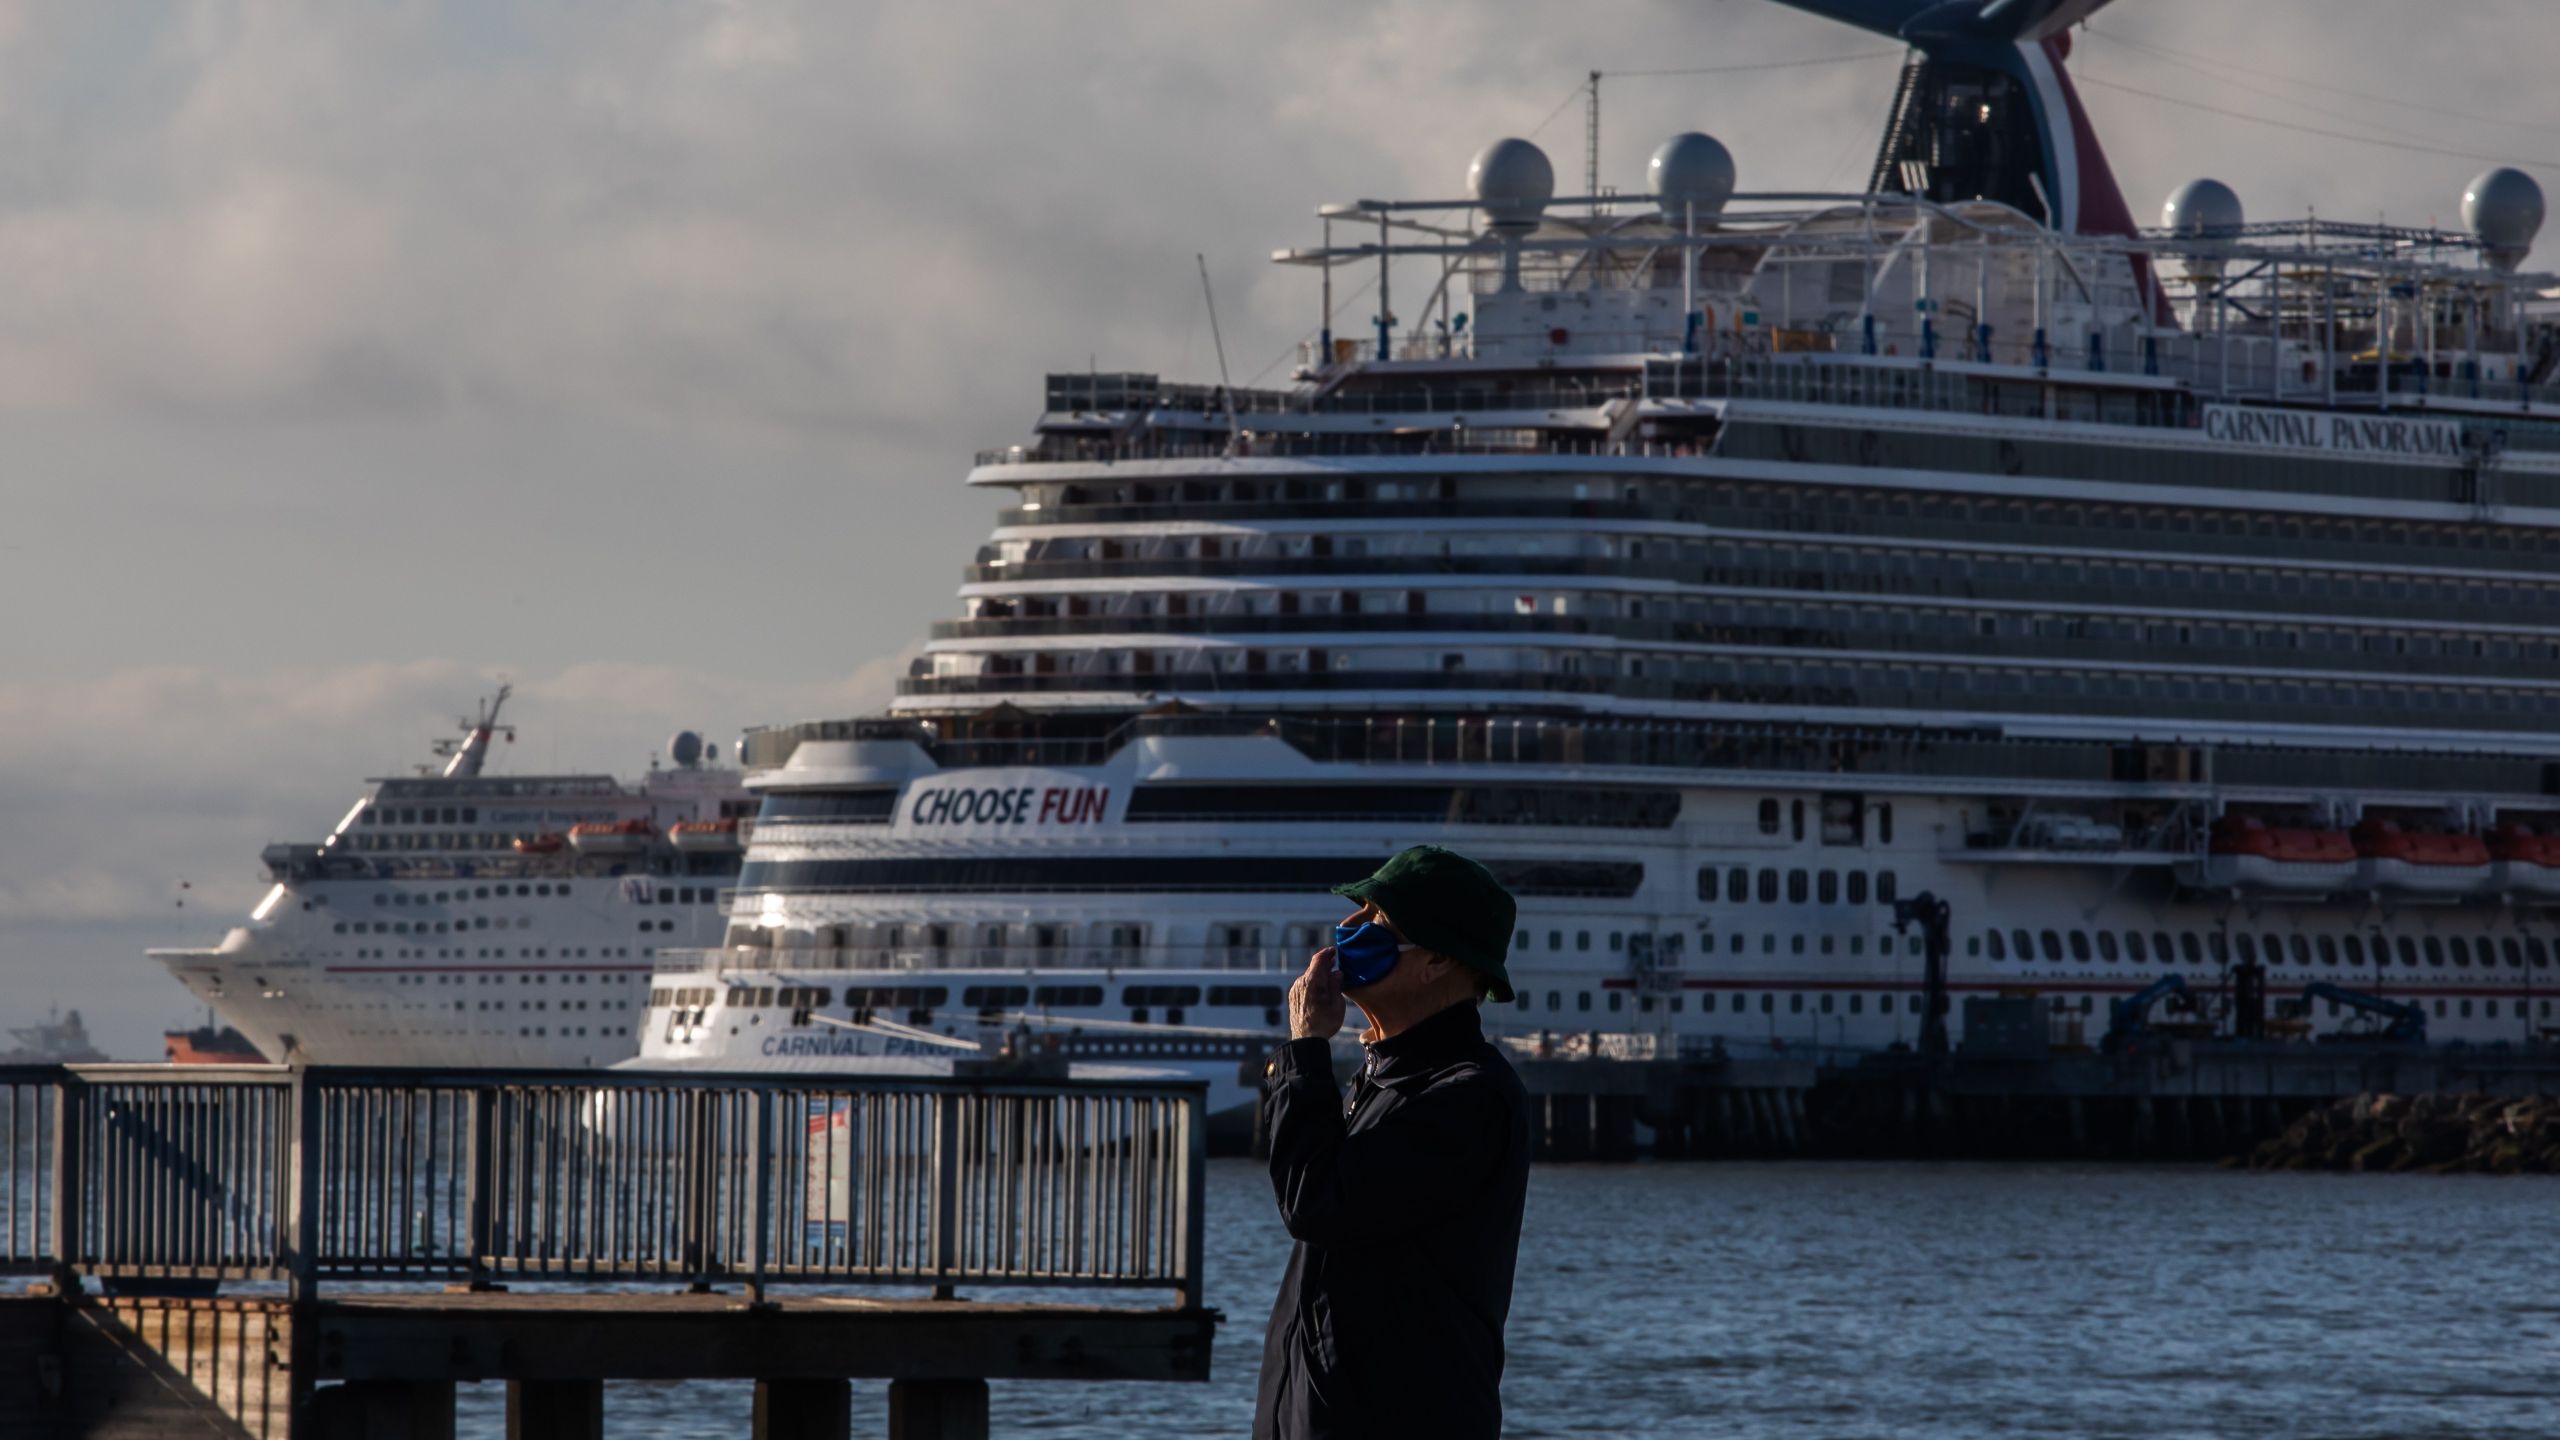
{"points": [[541, 844], [2524, 862], [2243, 852], [701, 836], [2419, 862], [610, 837]]}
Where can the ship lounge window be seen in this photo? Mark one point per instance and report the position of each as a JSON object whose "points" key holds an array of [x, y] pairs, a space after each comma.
{"points": [[2329, 950], [2106, 945], [2540, 950], [994, 997], [1251, 997], [1555, 940], [2052, 945], [1886, 888], [2435, 952], [1795, 1002], [1768, 887], [1582, 940], [1708, 889], [2133, 947], [1999, 950], [1737, 885], [1166, 995], [1769, 817], [1857, 888], [2025, 944], [2461, 948], [1827, 887], [1582, 1000], [1555, 1000]]}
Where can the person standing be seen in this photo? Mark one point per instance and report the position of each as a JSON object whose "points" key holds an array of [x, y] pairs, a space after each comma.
{"points": [[1405, 1203]]}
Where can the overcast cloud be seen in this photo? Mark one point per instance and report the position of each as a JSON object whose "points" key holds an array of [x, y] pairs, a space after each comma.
{"points": [[352, 355]]}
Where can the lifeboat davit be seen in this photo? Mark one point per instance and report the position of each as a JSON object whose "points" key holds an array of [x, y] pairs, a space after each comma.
{"points": [[700, 836], [2243, 852], [2419, 862], [540, 844], [610, 837], [2524, 862]]}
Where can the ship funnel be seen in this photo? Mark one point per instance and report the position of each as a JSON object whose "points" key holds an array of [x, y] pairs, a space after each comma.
{"points": [[2503, 210]]}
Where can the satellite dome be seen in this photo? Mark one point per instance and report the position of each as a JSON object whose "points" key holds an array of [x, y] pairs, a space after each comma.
{"points": [[1693, 175], [2503, 208], [1513, 181], [685, 748], [2202, 209]]}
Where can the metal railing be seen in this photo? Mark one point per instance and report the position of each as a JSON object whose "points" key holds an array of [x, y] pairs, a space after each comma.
{"points": [[311, 1175]]}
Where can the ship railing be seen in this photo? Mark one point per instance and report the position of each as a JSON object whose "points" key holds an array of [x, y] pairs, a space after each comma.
{"points": [[1274, 960], [311, 1176], [1833, 751], [2130, 384]]}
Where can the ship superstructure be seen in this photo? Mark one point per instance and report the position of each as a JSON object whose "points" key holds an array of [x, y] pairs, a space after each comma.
{"points": [[462, 917], [1722, 567]]}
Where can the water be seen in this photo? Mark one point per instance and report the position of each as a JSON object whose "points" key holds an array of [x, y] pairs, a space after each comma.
{"points": [[1943, 1302]]}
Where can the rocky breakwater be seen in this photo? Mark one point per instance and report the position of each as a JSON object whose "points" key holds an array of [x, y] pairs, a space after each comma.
{"points": [[2433, 1134]]}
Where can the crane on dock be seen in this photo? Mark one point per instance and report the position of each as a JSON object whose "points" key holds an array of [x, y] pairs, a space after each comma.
{"points": [[2399, 1022], [2129, 1018]]}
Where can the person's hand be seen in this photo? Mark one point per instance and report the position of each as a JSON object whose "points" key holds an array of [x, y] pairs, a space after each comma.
{"points": [[1315, 1001]]}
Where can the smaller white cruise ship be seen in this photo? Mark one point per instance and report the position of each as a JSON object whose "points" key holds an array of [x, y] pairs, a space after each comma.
{"points": [[458, 918]]}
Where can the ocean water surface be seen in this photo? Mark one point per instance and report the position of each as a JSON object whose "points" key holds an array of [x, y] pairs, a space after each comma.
{"points": [[1909, 1300]]}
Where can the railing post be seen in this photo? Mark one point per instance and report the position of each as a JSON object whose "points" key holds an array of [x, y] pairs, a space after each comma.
{"points": [[480, 1149], [302, 1197], [1195, 1177], [760, 1243], [701, 1192], [70, 1095], [946, 1192]]}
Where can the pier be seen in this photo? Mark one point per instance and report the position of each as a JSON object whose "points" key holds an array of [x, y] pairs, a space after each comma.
{"points": [[2170, 1099], [309, 1253]]}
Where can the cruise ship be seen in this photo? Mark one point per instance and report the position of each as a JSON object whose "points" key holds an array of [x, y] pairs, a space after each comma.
{"points": [[1723, 568], [461, 917]]}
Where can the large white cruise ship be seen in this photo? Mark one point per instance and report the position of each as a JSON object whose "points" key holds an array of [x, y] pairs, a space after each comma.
{"points": [[458, 917], [1722, 568]]}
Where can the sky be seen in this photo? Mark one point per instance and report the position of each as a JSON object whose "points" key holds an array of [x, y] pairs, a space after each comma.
{"points": [[355, 355]]}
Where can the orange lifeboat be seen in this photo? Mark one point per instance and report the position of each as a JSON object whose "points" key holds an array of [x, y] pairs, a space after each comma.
{"points": [[541, 844], [2524, 860], [2244, 852], [703, 836], [610, 837], [2419, 862]]}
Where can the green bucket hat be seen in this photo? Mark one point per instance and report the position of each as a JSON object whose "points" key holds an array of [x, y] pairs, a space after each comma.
{"points": [[1443, 901]]}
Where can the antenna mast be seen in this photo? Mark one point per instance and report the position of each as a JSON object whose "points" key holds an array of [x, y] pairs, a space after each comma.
{"points": [[1591, 145], [1226, 390]]}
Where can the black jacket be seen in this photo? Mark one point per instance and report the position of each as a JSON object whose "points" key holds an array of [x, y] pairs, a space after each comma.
{"points": [[1407, 1217]]}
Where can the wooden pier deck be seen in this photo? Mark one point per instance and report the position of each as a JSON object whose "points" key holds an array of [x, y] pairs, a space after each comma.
{"points": [[385, 1237]]}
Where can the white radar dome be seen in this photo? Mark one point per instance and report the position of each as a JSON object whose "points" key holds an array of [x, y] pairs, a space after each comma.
{"points": [[685, 748], [1513, 180], [2503, 209], [2202, 209], [1693, 175]]}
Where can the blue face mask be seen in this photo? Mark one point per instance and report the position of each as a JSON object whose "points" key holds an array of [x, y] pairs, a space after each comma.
{"points": [[1364, 953]]}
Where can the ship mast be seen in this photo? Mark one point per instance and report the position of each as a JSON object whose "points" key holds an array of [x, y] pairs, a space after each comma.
{"points": [[472, 751]]}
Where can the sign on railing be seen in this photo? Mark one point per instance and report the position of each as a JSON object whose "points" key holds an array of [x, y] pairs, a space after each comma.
{"points": [[312, 1175]]}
